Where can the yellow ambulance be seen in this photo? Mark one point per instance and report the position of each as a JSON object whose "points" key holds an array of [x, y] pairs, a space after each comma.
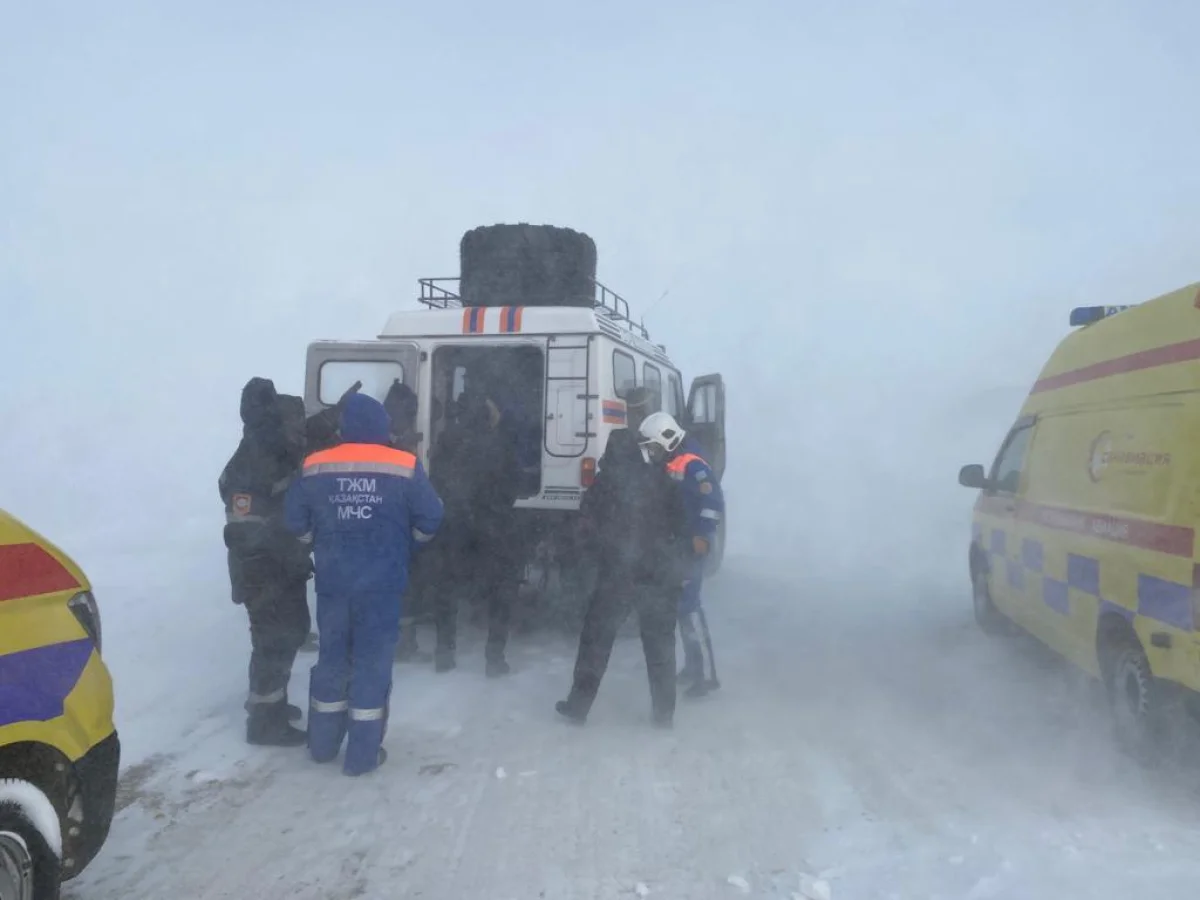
{"points": [[1084, 531], [59, 750]]}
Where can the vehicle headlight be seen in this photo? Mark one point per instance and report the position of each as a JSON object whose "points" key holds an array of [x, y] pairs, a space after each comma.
{"points": [[87, 612]]}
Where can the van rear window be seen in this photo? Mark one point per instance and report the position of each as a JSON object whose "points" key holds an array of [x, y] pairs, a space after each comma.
{"points": [[624, 373], [338, 376]]}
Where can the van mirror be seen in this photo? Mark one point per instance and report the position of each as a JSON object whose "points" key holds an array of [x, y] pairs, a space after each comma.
{"points": [[973, 476]]}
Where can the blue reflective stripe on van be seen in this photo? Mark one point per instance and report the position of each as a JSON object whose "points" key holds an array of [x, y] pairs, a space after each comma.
{"points": [[34, 684], [1056, 596], [1032, 554], [1083, 574], [1165, 601]]}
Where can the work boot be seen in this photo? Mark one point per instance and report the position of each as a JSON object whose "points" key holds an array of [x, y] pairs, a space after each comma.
{"points": [[702, 687], [570, 712], [497, 667], [443, 660], [267, 726], [382, 759], [407, 649], [663, 719], [295, 714]]}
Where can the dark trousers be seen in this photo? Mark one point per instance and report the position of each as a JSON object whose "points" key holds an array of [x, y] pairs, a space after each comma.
{"points": [[474, 563], [279, 626], [657, 606]]}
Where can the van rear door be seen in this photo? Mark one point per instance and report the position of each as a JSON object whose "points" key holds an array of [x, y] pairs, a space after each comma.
{"points": [[333, 367], [706, 419]]}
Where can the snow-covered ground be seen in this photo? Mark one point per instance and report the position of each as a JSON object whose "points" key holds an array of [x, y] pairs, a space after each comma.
{"points": [[866, 744]]}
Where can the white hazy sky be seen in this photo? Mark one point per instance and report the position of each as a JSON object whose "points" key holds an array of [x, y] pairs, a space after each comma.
{"points": [[865, 213]]}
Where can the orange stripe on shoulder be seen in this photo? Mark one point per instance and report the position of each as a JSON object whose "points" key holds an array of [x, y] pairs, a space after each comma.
{"points": [[366, 453]]}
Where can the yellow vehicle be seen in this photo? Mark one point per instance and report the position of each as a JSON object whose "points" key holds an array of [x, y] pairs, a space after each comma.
{"points": [[1084, 532], [59, 750]]}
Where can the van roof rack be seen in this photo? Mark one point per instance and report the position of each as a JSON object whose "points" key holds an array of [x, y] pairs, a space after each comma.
{"points": [[442, 293]]}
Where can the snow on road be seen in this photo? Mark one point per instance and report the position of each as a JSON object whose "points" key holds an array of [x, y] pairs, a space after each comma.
{"points": [[864, 745]]}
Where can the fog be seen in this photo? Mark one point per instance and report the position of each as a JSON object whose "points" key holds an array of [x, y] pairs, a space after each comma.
{"points": [[872, 220]]}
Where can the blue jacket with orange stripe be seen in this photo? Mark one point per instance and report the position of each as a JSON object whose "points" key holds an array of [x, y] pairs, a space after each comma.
{"points": [[365, 505], [702, 497]]}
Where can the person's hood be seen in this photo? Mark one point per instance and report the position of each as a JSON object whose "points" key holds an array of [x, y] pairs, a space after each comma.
{"points": [[365, 421], [260, 403]]}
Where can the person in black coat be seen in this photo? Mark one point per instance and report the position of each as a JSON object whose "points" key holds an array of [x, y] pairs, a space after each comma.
{"points": [[638, 524], [268, 566], [478, 551]]}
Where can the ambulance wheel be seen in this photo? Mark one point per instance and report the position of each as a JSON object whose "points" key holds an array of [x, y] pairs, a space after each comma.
{"points": [[29, 870], [1144, 709], [990, 619]]}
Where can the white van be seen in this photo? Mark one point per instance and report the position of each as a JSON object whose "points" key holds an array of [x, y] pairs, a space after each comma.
{"points": [[566, 370]]}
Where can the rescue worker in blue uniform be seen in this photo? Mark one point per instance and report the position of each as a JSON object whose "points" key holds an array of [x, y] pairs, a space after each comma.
{"points": [[366, 505], [268, 566], [666, 443]]}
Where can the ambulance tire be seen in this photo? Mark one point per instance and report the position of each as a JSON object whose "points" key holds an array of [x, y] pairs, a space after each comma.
{"points": [[990, 620], [26, 861], [527, 265], [1146, 711]]}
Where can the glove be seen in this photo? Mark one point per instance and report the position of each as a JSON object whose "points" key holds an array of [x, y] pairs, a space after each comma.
{"points": [[700, 546]]}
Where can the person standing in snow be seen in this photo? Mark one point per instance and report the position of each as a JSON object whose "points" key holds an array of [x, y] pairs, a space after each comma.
{"points": [[401, 406], [268, 566], [481, 556], [637, 519], [668, 445], [366, 505]]}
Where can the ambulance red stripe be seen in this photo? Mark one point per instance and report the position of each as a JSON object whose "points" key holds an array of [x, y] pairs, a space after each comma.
{"points": [[27, 570], [1174, 540], [1184, 351]]}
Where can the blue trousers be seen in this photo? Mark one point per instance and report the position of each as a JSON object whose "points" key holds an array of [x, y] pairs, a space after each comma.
{"points": [[351, 684], [698, 663]]}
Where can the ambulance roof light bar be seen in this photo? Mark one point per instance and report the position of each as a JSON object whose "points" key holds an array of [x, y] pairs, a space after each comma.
{"points": [[1089, 315]]}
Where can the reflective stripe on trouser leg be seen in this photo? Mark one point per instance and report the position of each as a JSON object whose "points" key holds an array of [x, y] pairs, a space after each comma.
{"points": [[697, 646], [330, 680], [375, 623]]}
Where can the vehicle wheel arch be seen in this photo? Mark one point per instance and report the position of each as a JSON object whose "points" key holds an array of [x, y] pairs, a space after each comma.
{"points": [[1114, 632]]}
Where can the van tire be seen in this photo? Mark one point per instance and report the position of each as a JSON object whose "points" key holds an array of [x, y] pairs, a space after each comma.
{"points": [[1145, 709], [21, 846], [527, 265], [990, 620]]}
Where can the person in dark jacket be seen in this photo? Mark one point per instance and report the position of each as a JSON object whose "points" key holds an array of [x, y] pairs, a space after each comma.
{"points": [[639, 525], [401, 406], [366, 505], [479, 554], [268, 566]]}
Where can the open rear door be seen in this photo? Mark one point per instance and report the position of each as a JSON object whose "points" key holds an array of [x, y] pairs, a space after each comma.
{"points": [[706, 419], [706, 423], [332, 368]]}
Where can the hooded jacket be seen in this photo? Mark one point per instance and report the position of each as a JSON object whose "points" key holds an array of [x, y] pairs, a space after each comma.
{"points": [[365, 505], [254, 482]]}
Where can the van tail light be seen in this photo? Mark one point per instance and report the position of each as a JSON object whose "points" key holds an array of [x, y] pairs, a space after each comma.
{"points": [[587, 471], [87, 612]]}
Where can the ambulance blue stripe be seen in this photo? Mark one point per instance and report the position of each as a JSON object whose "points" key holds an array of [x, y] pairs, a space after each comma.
{"points": [[1016, 574], [34, 684], [1056, 595], [1165, 601], [999, 542], [1083, 574], [1032, 554]]}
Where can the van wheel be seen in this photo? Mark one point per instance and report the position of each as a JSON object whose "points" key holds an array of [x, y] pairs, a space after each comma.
{"points": [[29, 870], [1144, 709], [990, 619]]}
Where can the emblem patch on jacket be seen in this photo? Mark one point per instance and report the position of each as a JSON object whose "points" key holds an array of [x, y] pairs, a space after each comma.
{"points": [[241, 504]]}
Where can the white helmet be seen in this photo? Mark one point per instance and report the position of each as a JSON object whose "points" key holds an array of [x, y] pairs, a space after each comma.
{"points": [[660, 430]]}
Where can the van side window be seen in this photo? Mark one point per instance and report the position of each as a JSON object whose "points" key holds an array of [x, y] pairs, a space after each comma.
{"points": [[652, 380], [1006, 473], [624, 373]]}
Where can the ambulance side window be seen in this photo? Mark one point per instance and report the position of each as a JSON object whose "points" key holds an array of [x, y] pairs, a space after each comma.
{"points": [[624, 373], [1006, 473]]}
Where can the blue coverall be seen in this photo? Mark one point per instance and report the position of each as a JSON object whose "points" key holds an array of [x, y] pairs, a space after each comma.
{"points": [[366, 505], [705, 505]]}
